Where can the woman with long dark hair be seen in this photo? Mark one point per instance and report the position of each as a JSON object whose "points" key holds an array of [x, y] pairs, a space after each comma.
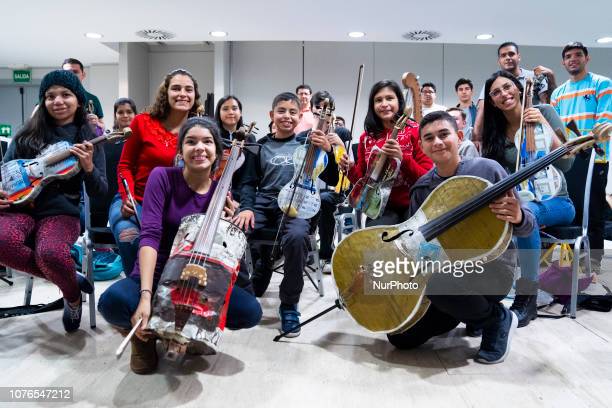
{"points": [[385, 104], [36, 239], [503, 111]]}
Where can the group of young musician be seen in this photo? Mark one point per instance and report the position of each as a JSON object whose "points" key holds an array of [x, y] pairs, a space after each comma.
{"points": [[170, 160]]}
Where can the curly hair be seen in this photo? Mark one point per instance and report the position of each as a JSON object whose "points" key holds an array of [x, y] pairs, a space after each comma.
{"points": [[161, 107]]}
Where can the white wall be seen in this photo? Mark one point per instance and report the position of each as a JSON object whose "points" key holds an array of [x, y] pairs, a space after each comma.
{"points": [[260, 70], [103, 80], [197, 59]]}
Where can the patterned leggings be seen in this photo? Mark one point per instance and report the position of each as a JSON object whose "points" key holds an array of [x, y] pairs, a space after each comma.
{"points": [[41, 248]]}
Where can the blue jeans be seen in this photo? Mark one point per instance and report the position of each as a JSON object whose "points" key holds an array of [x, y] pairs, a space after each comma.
{"points": [[119, 302], [556, 211], [127, 243]]}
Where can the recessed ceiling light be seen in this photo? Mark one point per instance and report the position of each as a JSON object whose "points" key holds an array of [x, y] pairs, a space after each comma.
{"points": [[94, 36], [484, 36], [218, 33], [356, 34], [604, 40]]}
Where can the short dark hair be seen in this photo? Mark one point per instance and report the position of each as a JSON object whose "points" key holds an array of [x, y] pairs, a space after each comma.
{"points": [[285, 96], [319, 97], [463, 81], [463, 115], [118, 103], [341, 118], [429, 84], [507, 44], [436, 116], [573, 46], [73, 61], [303, 86]]}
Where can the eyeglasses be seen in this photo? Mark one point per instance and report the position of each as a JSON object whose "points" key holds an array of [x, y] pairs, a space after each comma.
{"points": [[498, 91]]}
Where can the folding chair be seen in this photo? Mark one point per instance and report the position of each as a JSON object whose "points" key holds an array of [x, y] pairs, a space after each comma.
{"points": [[575, 235]]}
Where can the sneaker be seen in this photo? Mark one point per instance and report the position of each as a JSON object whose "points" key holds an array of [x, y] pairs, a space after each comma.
{"points": [[84, 284], [144, 356], [72, 316], [327, 269], [525, 304], [290, 318], [496, 339]]}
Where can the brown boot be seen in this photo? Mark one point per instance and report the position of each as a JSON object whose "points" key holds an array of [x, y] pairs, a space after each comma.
{"points": [[144, 356]]}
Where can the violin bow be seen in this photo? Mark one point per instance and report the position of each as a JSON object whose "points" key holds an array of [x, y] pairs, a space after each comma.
{"points": [[347, 144]]}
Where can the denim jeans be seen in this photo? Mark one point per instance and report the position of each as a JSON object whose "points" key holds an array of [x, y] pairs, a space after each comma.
{"points": [[119, 302], [127, 249], [556, 211]]}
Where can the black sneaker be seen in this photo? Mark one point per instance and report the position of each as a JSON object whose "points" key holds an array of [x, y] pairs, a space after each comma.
{"points": [[290, 318], [472, 331], [496, 339], [84, 284], [525, 304], [72, 316]]}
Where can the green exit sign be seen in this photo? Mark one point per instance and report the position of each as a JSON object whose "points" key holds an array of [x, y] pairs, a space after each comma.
{"points": [[5, 130], [22, 75]]}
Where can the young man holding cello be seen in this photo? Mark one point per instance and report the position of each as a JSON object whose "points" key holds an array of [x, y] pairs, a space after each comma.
{"points": [[474, 299]]}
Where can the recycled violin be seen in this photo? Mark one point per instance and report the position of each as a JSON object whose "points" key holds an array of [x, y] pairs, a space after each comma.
{"points": [[300, 197], [371, 192], [24, 179], [533, 141]]}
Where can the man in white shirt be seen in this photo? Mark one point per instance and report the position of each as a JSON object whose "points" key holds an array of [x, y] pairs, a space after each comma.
{"points": [[428, 97]]}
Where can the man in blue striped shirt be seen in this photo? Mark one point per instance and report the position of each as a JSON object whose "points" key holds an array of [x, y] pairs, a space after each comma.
{"points": [[586, 99]]}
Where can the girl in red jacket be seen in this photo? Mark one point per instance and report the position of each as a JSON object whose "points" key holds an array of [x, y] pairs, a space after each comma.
{"points": [[384, 104], [153, 144]]}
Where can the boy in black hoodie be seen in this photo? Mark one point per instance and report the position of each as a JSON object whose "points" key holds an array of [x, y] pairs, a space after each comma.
{"points": [[270, 170]]}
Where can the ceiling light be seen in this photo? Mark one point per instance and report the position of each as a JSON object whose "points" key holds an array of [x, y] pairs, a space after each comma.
{"points": [[218, 33], [94, 36], [484, 36], [604, 40], [356, 34]]}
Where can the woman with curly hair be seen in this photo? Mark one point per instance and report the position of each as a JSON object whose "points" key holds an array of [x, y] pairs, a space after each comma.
{"points": [[153, 144]]}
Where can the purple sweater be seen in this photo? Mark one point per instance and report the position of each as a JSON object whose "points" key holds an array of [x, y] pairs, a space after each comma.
{"points": [[167, 199]]}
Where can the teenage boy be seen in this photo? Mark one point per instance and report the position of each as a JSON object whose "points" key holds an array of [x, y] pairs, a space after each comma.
{"points": [[271, 169], [474, 299]]}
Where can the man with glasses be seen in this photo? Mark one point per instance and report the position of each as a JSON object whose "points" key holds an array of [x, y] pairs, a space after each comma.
{"points": [[428, 97], [586, 99], [508, 58]]}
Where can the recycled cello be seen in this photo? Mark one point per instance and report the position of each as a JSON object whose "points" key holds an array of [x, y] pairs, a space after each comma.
{"points": [[450, 220], [191, 301]]}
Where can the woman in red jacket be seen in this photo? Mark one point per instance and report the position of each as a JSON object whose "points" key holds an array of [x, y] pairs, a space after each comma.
{"points": [[385, 102], [153, 144]]}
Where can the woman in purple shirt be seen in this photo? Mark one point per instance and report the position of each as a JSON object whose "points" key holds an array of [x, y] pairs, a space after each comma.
{"points": [[171, 193]]}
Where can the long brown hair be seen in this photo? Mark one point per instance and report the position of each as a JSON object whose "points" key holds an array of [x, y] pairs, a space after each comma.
{"points": [[161, 108]]}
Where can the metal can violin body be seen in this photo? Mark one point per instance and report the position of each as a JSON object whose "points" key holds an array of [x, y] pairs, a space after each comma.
{"points": [[191, 301]]}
